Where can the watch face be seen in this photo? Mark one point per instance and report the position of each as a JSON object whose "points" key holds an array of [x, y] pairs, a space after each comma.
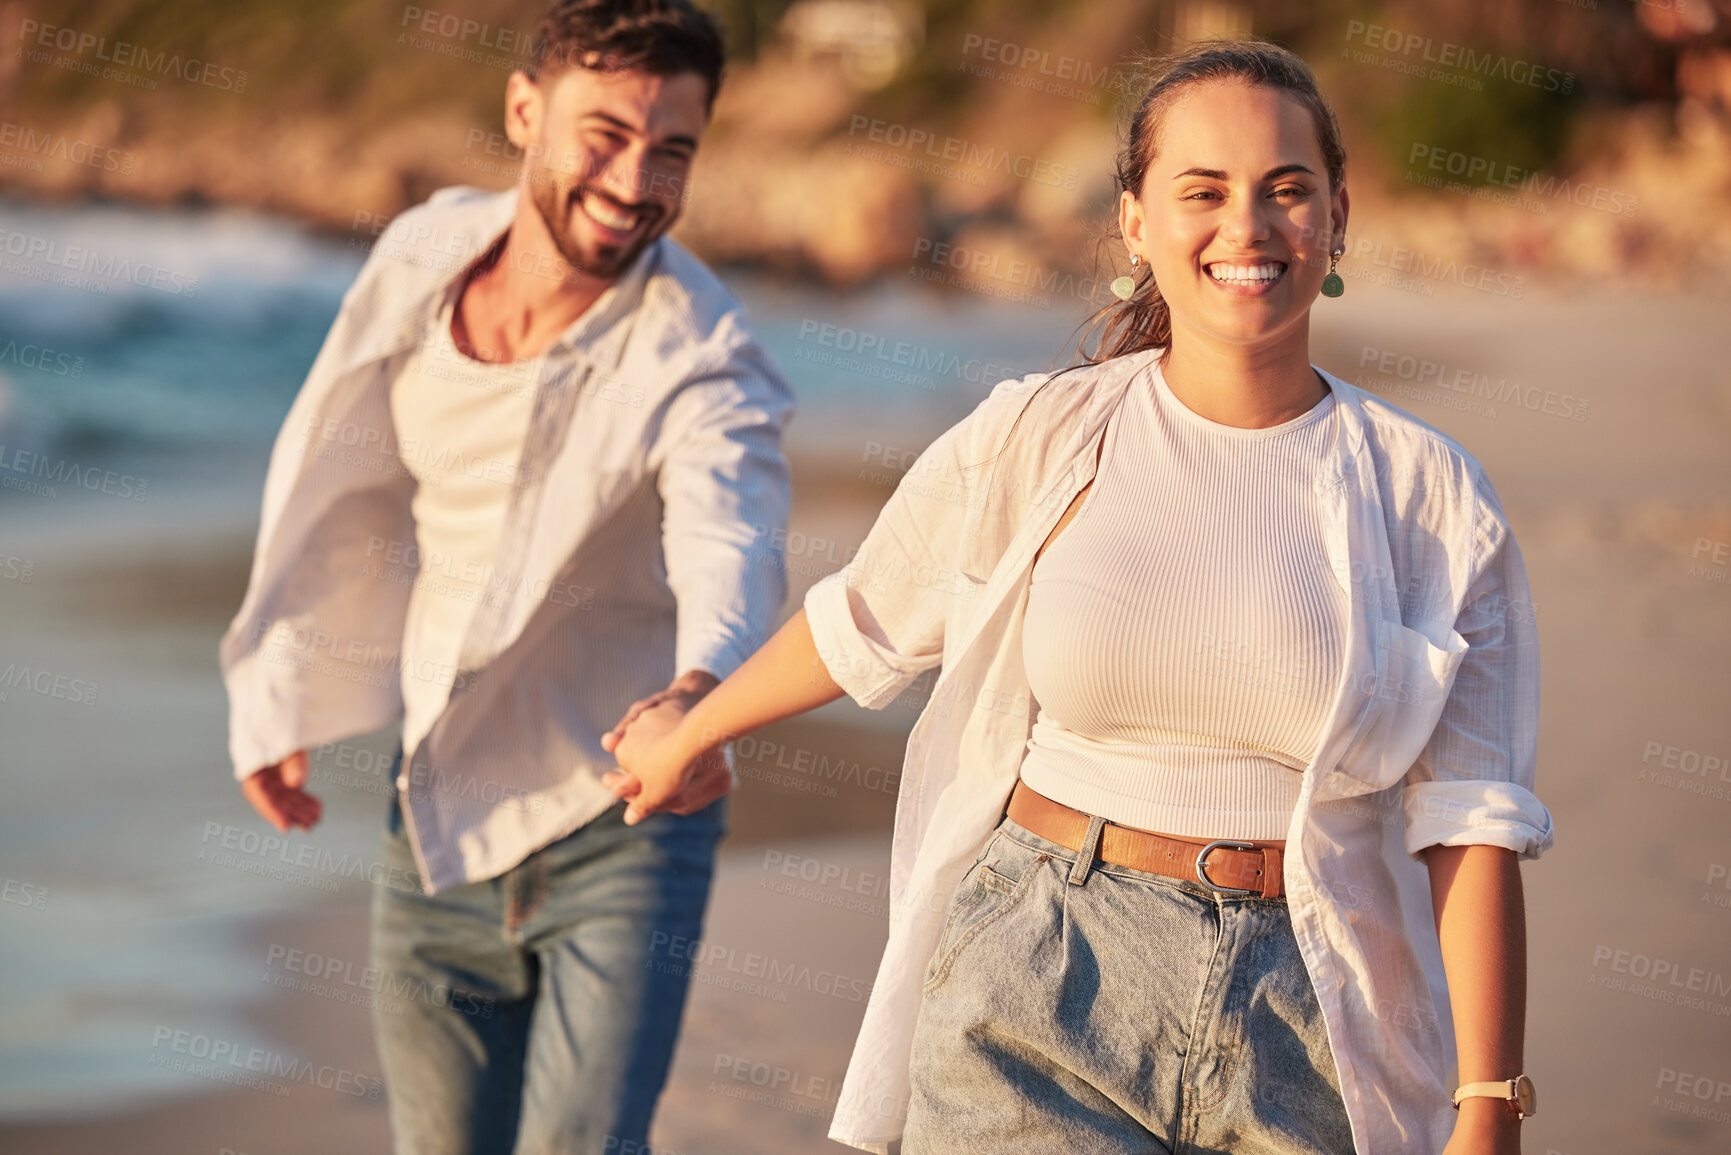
{"points": [[1526, 1096]]}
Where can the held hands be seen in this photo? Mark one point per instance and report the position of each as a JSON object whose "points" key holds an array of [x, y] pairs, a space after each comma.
{"points": [[657, 770], [277, 793]]}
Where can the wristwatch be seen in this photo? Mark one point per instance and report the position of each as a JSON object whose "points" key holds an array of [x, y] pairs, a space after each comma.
{"points": [[1522, 1098]]}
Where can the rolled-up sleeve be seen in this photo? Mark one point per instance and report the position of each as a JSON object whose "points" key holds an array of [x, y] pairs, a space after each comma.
{"points": [[879, 621], [1473, 782], [725, 494]]}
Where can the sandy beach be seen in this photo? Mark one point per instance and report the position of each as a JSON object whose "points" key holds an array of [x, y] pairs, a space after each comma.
{"points": [[1622, 508]]}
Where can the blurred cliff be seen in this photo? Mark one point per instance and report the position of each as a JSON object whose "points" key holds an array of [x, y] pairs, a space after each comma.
{"points": [[967, 141]]}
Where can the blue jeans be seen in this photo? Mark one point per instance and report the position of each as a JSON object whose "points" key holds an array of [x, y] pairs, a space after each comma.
{"points": [[523, 1015], [1106, 1009]]}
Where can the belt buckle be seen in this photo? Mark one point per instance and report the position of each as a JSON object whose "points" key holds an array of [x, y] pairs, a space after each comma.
{"points": [[1202, 865]]}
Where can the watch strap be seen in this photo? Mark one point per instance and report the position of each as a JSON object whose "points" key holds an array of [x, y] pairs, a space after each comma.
{"points": [[1507, 1090]]}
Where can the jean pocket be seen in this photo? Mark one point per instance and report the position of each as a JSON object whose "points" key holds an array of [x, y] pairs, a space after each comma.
{"points": [[984, 895]]}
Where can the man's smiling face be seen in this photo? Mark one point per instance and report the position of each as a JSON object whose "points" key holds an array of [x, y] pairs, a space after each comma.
{"points": [[608, 157]]}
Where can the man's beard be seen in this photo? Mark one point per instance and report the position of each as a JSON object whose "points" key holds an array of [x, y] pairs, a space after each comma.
{"points": [[556, 203]]}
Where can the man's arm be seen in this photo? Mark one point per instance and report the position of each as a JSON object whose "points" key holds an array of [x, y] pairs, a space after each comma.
{"points": [[725, 492]]}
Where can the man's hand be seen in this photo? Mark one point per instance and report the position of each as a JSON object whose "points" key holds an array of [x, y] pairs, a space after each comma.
{"points": [[276, 793], [684, 690]]}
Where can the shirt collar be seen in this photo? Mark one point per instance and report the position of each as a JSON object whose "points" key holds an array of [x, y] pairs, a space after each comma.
{"points": [[599, 334]]}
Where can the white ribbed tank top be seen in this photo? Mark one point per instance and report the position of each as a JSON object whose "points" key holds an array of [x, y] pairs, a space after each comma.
{"points": [[1183, 633]]}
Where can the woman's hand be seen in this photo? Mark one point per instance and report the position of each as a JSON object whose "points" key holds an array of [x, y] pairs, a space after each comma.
{"points": [[656, 768], [668, 761], [1485, 1127]]}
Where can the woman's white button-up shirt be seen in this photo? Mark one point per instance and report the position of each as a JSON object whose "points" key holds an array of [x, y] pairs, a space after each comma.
{"points": [[1430, 740]]}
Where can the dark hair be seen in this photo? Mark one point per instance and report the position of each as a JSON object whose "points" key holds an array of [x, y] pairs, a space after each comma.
{"points": [[1145, 321], [660, 37]]}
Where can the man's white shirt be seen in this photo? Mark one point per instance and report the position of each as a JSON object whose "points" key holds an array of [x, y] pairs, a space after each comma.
{"points": [[639, 539]]}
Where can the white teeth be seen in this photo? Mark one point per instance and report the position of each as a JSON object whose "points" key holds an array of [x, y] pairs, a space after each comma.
{"points": [[1245, 274], [606, 214]]}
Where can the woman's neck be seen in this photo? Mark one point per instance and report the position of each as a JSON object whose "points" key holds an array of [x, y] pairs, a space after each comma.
{"points": [[1250, 388]]}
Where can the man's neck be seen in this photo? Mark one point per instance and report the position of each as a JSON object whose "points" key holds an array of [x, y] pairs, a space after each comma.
{"points": [[518, 299]]}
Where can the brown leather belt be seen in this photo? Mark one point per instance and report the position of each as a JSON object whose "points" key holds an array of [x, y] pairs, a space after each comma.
{"points": [[1245, 868]]}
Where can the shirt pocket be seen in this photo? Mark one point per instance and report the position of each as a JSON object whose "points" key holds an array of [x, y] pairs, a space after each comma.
{"points": [[1405, 698]]}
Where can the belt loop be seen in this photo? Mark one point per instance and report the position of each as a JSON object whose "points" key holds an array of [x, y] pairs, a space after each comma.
{"points": [[1273, 872], [1088, 851]]}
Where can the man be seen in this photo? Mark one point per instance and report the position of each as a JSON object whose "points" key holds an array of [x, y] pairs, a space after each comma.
{"points": [[530, 485]]}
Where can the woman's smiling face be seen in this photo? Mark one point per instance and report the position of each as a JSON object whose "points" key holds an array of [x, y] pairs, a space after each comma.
{"points": [[1235, 216]]}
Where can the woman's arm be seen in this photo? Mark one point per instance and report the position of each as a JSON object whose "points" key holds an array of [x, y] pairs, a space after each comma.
{"points": [[656, 749], [1481, 923]]}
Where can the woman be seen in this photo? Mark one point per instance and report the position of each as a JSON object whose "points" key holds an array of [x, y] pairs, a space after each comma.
{"points": [[1209, 738]]}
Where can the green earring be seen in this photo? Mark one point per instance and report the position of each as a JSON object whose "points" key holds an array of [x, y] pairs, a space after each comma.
{"points": [[1125, 287], [1332, 285]]}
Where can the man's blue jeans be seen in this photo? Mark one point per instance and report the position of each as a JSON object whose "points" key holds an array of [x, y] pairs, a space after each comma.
{"points": [[525, 1015]]}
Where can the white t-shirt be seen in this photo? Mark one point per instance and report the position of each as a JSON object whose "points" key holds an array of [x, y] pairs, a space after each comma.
{"points": [[460, 429]]}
